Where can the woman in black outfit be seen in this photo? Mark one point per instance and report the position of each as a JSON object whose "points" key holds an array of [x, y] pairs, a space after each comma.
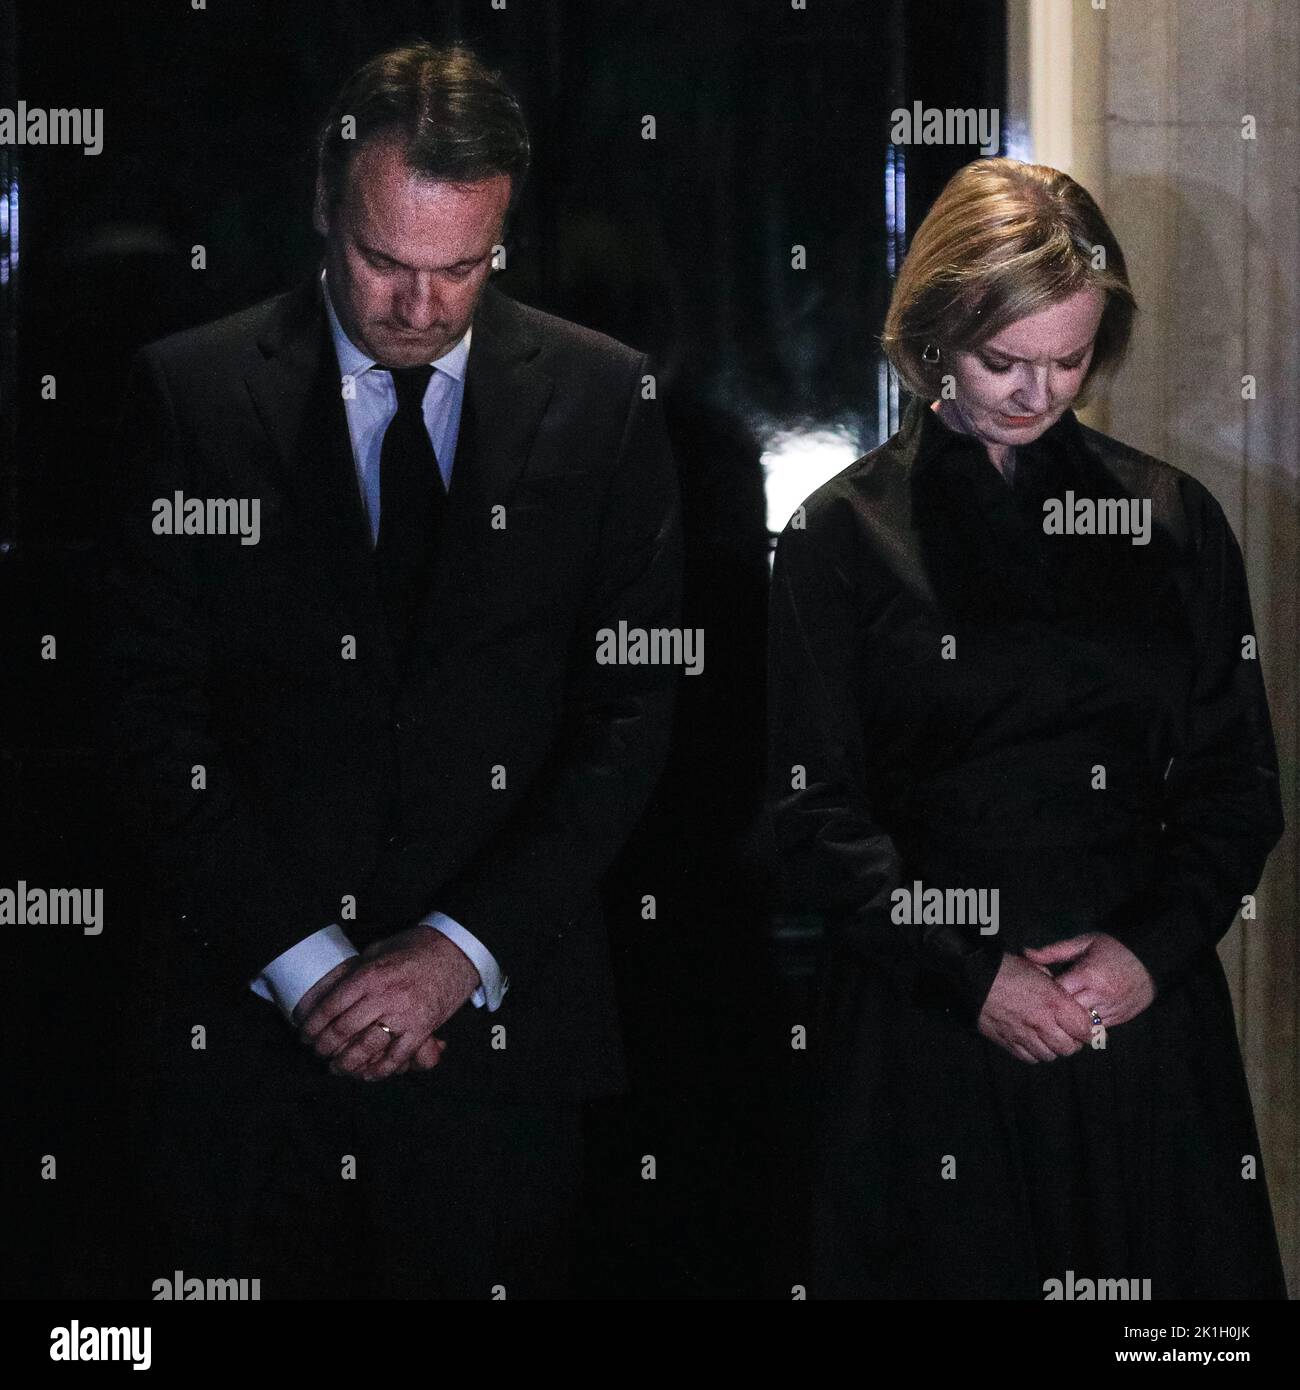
{"points": [[1014, 656]]}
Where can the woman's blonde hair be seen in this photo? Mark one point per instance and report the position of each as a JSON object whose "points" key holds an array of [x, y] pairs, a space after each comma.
{"points": [[1002, 241]]}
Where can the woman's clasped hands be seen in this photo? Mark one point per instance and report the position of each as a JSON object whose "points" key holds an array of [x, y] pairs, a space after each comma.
{"points": [[1038, 1016]]}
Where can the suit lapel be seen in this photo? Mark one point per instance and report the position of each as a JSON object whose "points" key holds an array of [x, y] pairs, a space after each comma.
{"points": [[505, 396], [296, 390]]}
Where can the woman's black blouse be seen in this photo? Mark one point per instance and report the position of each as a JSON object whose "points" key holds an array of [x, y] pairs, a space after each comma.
{"points": [[955, 692]]}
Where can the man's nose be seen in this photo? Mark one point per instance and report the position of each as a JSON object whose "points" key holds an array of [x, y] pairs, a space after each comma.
{"points": [[417, 304]]}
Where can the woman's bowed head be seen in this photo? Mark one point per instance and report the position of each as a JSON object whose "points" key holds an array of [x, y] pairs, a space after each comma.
{"points": [[1013, 299]]}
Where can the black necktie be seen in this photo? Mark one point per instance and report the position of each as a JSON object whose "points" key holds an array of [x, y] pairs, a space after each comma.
{"points": [[411, 502]]}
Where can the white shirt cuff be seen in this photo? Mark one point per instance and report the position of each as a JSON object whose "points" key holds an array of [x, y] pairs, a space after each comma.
{"points": [[292, 973], [494, 984]]}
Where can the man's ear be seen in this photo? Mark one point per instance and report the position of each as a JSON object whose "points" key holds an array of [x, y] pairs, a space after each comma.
{"points": [[320, 209]]}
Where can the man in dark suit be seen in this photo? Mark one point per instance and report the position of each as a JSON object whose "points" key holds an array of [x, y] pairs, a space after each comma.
{"points": [[373, 532]]}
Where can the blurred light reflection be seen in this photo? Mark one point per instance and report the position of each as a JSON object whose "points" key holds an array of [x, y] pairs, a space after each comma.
{"points": [[798, 462]]}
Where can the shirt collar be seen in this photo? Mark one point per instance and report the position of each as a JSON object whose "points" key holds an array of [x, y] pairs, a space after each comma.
{"points": [[353, 362], [924, 437]]}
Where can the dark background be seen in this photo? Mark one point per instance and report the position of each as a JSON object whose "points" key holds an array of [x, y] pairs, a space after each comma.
{"points": [[773, 129]]}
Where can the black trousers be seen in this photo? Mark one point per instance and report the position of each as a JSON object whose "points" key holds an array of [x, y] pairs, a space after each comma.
{"points": [[324, 1188]]}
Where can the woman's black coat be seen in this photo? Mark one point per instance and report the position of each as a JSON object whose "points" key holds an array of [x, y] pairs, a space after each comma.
{"points": [[961, 700]]}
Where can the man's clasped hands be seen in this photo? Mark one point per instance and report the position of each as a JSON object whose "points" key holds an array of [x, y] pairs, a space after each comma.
{"points": [[411, 983]]}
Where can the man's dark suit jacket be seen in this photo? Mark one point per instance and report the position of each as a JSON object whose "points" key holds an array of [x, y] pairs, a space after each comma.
{"points": [[372, 777]]}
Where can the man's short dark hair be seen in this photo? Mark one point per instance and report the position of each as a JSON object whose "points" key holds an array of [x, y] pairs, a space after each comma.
{"points": [[458, 119]]}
